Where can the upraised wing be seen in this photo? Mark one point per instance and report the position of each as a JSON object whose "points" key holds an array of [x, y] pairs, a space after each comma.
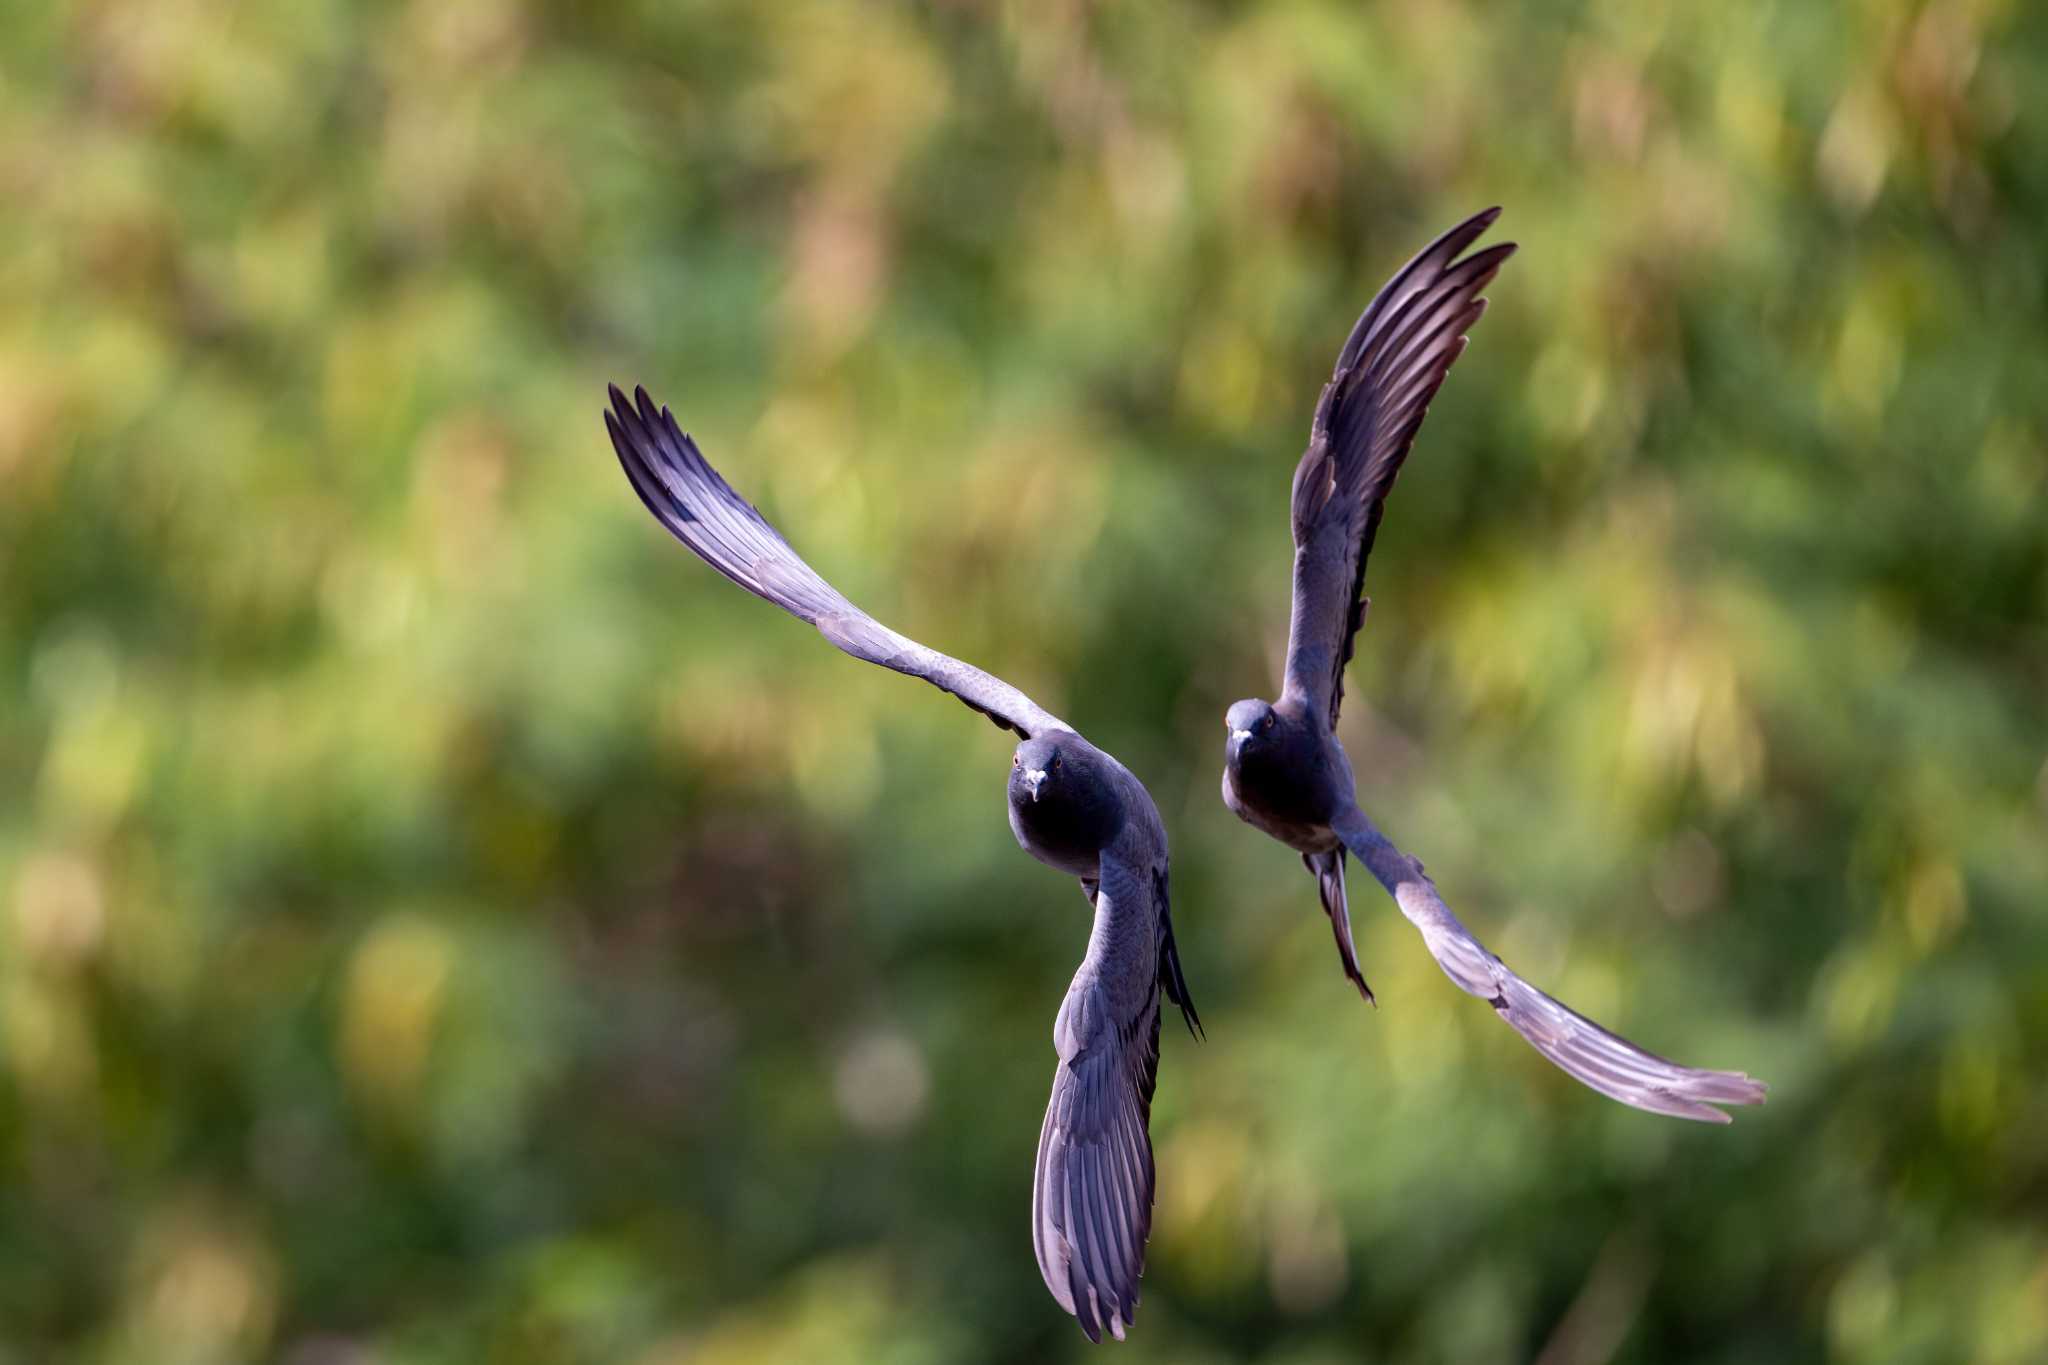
{"points": [[700, 509], [1091, 1198], [1589, 1053], [1390, 368]]}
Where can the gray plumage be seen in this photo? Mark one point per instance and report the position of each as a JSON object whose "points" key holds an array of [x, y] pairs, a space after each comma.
{"points": [[1074, 808], [1285, 771]]}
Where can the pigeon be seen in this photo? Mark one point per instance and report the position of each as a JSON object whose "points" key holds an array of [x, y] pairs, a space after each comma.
{"points": [[1072, 807], [1285, 771]]}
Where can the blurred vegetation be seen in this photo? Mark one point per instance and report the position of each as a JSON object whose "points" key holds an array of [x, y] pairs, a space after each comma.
{"points": [[443, 922]]}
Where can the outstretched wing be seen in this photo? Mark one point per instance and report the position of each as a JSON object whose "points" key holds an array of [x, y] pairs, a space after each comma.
{"points": [[700, 509], [1589, 1053], [1091, 1198], [1391, 366]]}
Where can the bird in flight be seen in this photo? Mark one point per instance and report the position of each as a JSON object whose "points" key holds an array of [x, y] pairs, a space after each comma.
{"points": [[1285, 772], [1072, 807]]}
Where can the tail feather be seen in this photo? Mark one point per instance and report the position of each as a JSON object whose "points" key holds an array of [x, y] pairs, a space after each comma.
{"points": [[1176, 984], [1171, 978], [1328, 869]]}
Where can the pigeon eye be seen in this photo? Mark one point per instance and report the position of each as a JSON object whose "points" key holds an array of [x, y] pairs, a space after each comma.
{"points": [[1267, 723], [1055, 765]]}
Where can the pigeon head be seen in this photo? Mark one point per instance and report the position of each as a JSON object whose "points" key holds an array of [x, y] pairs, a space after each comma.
{"points": [[1044, 769], [1064, 807], [1249, 723]]}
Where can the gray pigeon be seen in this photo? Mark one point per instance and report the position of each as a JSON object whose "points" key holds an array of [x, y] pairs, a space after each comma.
{"points": [[1072, 807], [1284, 770]]}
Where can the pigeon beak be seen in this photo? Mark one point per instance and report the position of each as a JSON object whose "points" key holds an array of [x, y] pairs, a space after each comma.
{"points": [[1240, 735], [1034, 778]]}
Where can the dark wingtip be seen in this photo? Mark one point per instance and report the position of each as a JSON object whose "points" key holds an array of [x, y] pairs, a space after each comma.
{"points": [[628, 421], [648, 413], [1493, 258], [1464, 234]]}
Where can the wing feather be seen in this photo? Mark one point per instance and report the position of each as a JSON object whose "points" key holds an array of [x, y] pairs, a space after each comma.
{"points": [[1389, 369], [1091, 1198], [688, 497], [1584, 1050]]}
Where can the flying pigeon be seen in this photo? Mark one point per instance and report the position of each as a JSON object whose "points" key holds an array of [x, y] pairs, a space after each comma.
{"points": [[1285, 771], [1072, 807]]}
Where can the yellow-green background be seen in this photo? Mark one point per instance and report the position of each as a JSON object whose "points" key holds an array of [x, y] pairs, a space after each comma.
{"points": [[444, 922]]}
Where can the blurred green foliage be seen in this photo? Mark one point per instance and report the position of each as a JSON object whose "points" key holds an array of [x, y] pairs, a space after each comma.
{"points": [[443, 922]]}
